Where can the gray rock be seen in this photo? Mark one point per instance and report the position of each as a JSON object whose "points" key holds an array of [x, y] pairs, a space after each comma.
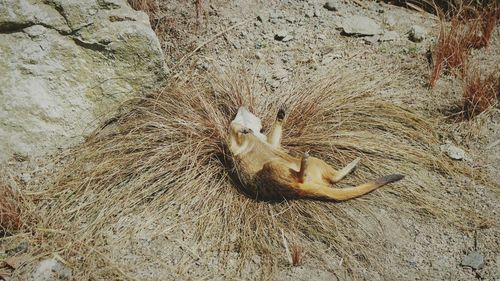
{"points": [[280, 35], [454, 152], [474, 260], [279, 73], [65, 64], [370, 40], [309, 13], [51, 269], [389, 36], [390, 21], [361, 26], [328, 58], [417, 33], [331, 5], [317, 12], [262, 17]]}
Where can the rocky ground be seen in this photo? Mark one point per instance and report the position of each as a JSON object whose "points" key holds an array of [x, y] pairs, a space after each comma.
{"points": [[284, 41]]}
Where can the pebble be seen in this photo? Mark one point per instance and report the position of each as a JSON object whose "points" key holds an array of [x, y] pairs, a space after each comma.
{"points": [[390, 21], [360, 25], [454, 152], [280, 35], [371, 40], [417, 33], [331, 5], [474, 260], [280, 73], [389, 36], [262, 17], [259, 55]]}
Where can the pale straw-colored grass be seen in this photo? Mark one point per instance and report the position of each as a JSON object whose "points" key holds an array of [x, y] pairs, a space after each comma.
{"points": [[163, 157]]}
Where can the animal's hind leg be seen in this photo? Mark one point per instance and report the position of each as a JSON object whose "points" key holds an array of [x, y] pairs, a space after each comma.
{"points": [[338, 175], [276, 131], [304, 162]]}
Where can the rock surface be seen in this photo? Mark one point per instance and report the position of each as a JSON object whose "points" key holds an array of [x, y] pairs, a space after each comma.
{"points": [[361, 26], [51, 269], [417, 33], [474, 260], [66, 63], [454, 152]]}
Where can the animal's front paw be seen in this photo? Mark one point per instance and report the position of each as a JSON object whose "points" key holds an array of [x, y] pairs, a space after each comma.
{"points": [[281, 113]]}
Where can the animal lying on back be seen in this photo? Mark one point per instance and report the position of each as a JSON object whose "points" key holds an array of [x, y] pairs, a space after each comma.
{"points": [[267, 172]]}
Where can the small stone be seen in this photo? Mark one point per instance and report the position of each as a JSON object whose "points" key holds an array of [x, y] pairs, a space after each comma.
{"points": [[331, 5], [371, 40], [321, 36], [417, 33], [474, 260], [262, 17], [21, 247], [236, 45], [390, 21], [256, 259], [360, 26], [25, 177], [454, 152], [317, 12], [287, 38], [309, 13], [51, 269], [259, 55], [280, 73], [280, 35], [389, 36]]}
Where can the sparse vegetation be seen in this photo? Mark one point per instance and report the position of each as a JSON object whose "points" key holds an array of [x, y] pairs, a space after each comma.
{"points": [[10, 213], [296, 255], [470, 27], [480, 93]]}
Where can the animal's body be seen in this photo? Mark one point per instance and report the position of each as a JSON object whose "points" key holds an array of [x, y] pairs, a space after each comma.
{"points": [[267, 172]]}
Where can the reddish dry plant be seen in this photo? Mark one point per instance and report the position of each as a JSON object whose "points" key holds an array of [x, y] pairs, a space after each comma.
{"points": [[296, 255], [450, 51], [10, 215], [199, 9], [481, 22], [148, 6], [480, 94], [470, 28]]}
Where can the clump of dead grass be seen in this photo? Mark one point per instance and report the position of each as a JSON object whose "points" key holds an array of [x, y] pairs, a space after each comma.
{"points": [[470, 26], [480, 93], [10, 210], [163, 157], [149, 6]]}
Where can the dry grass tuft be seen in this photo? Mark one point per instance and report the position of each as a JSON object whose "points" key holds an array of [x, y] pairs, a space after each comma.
{"points": [[163, 158], [10, 210], [296, 255], [149, 6], [470, 27], [479, 93]]}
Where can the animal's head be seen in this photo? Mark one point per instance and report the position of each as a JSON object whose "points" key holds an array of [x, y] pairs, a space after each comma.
{"points": [[243, 124]]}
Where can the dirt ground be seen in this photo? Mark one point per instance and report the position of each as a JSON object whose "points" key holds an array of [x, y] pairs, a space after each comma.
{"points": [[246, 33]]}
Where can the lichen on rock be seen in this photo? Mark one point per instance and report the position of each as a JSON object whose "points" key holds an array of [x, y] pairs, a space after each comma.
{"points": [[64, 64]]}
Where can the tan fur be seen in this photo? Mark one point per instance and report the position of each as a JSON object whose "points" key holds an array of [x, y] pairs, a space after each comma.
{"points": [[267, 172]]}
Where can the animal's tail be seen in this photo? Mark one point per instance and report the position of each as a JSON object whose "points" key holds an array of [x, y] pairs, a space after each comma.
{"points": [[314, 190]]}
